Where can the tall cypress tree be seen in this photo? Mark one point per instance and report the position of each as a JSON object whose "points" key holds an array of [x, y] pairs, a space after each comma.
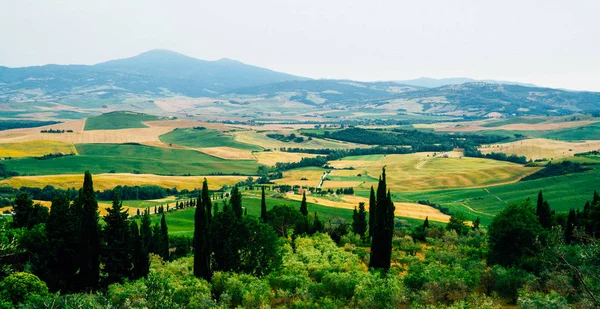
{"points": [[570, 228], [359, 220], [543, 212], [383, 230], [201, 248], [303, 205], [372, 211], [146, 244], [62, 231], [426, 223], [140, 256], [263, 206], [164, 233], [116, 254], [89, 272], [205, 200], [236, 202]]}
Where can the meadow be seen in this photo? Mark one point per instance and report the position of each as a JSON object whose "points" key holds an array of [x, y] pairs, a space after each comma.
{"points": [[195, 138], [118, 120], [132, 158]]}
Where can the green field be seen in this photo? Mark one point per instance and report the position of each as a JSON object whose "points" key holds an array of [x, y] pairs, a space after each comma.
{"points": [[195, 138], [182, 221], [118, 120], [524, 120], [561, 192], [128, 158], [587, 132]]}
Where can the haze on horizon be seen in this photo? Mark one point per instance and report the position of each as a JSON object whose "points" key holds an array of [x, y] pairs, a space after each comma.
{"points": [[549, 43]]}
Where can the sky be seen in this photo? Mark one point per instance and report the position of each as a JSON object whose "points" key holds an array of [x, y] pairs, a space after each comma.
{"points": [[548, 42]]}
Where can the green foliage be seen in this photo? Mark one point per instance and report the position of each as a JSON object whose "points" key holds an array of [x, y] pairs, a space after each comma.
{"points": [[457, 223], [89, 255], [542, 301], [383, 229], [236, 202], [116, 253], [17, 287], [27, 214], [359, 220], [202, 249], [512, 235]]}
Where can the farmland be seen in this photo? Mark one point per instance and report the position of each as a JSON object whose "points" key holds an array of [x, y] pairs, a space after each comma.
{"points": [[541, 148], [35, 148], [204, 138], [118, 120]]}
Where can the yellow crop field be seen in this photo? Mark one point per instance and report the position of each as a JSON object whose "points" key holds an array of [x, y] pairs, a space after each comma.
{"points": [[309, 176], [411, 210], [109, 181], [422, 171], [228, 153], [35, 148], [269, 158], [540, 148]]}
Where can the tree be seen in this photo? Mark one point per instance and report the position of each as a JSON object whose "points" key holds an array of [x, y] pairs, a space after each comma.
{"points": [[372, 211], [383, 229], [263, 206], [543, 212], [283, 218], [201, 246], [303, 206], [426, 223], [570, 228], [90, 235], [359, 220], [164, 234], [457, 223], [476, 223], [317, 225], [63, 234], [140, 257], [243, 245], [146, 245], [20, 286], [512, 235], [236, 202], [117, 255], [27, 214]]}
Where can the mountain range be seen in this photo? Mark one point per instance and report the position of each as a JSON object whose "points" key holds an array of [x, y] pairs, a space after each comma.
{"points": [[163, 74]]}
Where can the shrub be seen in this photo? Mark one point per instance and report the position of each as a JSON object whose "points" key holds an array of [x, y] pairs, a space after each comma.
{"points": [[17, 287]]}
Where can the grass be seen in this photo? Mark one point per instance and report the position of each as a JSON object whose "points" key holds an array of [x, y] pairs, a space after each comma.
{"points": [[422, 171], [121, 158], [261, 139], [562, 192], [195, 138], [524, 120], [541, 148], [35, 148], [270, 158], [118, 120], [587, 132]]}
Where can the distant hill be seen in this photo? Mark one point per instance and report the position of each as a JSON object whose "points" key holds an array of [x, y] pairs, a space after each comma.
{"points": [[153, 73], [438, 82]]}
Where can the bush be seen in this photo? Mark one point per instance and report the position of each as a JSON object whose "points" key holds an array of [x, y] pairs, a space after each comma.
{"points": [[542, 301], [17, 287]]}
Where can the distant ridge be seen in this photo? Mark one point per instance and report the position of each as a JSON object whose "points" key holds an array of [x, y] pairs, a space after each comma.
{"points": [[429, 82]]}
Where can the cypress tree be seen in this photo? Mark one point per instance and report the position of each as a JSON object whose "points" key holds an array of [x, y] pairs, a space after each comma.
{"points": [[317, 224], [140, 256], [263, 206], [201, 248], [236, 202], [23, 207], [146, 244], [164, 233], [359, 220], [157, 240], [543, 212], [383, 230], [372, 210], [116, 254], [62, 231], [426, 223], [89, 272], [205, 201], [570, 228], [476, 223], [303, 206]]}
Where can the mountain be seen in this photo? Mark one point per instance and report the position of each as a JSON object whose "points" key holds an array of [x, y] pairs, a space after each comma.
{"points": [[153, 73], [438, 82]]}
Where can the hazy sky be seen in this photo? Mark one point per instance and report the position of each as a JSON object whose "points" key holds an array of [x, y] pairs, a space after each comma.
{"points": [[548, 42]]}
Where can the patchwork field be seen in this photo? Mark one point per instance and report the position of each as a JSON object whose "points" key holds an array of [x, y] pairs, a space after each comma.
{"points": [[35, 148], [422, 171], [540, 148], [109, 181], [123, 158]]}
